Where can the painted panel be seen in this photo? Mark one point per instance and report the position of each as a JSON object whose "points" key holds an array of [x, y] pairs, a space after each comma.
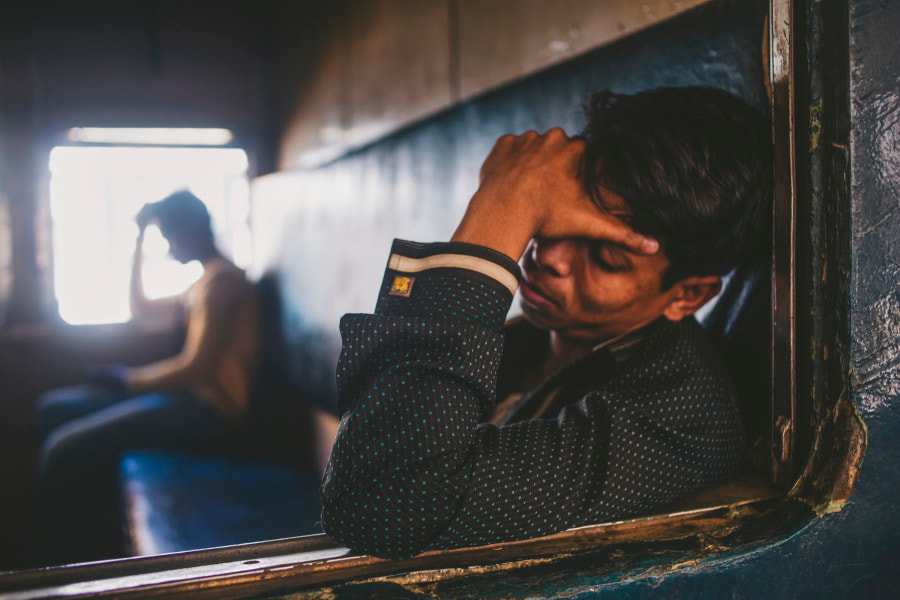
{"points": [[315, 131], [502, 40], [391, 63], [398, 65]]}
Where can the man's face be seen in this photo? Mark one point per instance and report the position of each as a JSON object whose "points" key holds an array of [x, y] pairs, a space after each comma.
{"points": [[589, 290], [592, 290], [180, 246]]}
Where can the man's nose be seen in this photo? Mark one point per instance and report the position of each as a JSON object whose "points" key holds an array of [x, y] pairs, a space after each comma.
{"points": [[555, 256]]}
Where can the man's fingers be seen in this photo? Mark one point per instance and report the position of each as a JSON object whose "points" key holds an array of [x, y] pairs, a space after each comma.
{"points": [[534, 176], [641, 244], [601, 225], [618, 232]]}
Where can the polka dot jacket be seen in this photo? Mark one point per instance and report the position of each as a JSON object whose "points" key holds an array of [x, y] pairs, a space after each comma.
{"points": [[415, 468]]}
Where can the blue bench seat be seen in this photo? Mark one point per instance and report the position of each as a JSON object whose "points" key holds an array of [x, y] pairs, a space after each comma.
{"points": [[176, 501]]}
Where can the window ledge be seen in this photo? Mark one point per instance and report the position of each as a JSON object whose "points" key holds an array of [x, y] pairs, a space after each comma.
{"points": [[313, 561], [40, 331]]}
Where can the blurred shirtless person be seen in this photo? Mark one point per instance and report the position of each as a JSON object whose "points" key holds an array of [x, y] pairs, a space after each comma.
{"points": [[190, 400]]}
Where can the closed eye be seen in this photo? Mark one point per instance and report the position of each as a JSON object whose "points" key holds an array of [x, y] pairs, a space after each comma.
{"points": [[610, 258]]}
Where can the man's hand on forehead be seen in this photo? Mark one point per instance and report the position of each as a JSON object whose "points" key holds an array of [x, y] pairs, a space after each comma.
{"points": [[529, 187]]}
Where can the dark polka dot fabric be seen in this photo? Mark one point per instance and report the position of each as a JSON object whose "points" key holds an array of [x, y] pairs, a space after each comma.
{"points": [[414, 468]]}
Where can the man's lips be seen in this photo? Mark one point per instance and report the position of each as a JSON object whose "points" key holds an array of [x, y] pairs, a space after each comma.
{"points": [[536, 295]]}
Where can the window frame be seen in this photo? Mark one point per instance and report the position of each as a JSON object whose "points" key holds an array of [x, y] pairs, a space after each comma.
{"points": [[50, 241], [314, 560]]}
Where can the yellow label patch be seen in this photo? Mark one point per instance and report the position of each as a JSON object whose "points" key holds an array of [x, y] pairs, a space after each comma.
{"points": [[402, 286]]}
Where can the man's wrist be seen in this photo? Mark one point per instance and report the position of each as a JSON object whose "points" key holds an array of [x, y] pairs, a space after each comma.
{"points": [[492, 220], [486, 233], [510, 249]]}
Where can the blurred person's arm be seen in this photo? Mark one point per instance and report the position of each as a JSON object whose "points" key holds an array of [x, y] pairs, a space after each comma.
{"points": [[141, 306]]}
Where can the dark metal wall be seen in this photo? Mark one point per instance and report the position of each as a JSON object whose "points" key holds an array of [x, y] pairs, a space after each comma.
{"points": [[875, 147]]}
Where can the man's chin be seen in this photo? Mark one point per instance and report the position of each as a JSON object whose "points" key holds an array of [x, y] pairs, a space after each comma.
{"points": [[537, 317], [583, 332]]}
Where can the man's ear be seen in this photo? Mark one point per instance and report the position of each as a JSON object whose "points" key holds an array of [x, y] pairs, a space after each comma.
{"points": [[691, 293]]}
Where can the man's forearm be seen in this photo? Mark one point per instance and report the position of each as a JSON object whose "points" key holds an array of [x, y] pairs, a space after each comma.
{"points": [[530, 188], [137, 299]]}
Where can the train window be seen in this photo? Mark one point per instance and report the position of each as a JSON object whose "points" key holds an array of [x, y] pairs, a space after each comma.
{"points": [[726, 521], [95, 193]]}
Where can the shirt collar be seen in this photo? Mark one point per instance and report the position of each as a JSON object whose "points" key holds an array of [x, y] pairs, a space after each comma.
{"points": [[622, 347]]}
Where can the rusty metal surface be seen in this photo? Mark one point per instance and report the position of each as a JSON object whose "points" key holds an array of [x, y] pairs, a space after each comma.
{"points": [[784, 245], [828, 424]]}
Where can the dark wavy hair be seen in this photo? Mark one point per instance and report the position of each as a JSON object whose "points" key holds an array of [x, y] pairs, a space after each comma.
{"points": [[694, 167]]}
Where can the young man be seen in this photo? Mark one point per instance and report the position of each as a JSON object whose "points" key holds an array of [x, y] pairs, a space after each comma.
{"points": [[191, 399], [609, 399]]}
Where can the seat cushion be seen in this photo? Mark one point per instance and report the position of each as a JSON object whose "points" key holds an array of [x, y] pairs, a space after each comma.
{"points": [[176, 501]]}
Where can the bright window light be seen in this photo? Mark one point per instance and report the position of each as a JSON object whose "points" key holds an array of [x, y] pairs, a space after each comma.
{"points": [[152, 136], [95, 193]]}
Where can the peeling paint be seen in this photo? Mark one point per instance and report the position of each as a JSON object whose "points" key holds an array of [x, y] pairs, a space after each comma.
{"points": [[833, 468], [681, 565], [815, 124], [431, 575], [876, 373]]}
